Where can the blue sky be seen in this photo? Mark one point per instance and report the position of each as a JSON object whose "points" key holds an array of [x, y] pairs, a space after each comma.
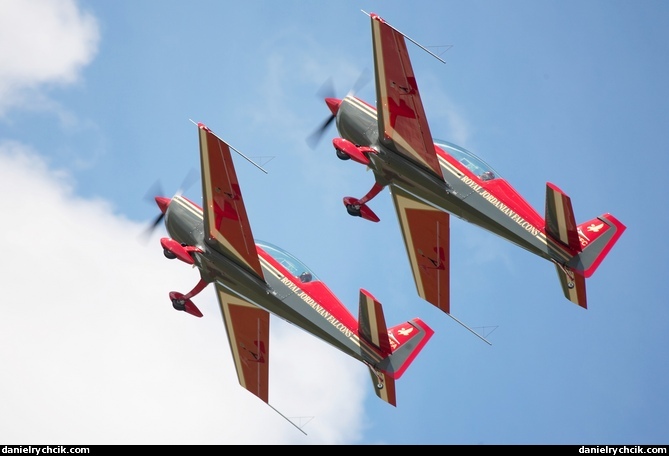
{"points": [[95, 102]]}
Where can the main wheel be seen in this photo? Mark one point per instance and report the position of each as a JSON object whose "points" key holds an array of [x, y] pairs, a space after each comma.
{"points": [[169, 254], [352, 210], [178, 304], [342, 155]]}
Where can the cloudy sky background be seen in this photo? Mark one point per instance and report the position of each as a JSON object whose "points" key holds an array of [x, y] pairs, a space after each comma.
{"points": [[95, 102]]}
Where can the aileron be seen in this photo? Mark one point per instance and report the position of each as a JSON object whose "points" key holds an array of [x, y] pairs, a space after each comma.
{"points": [[426, 232], [247, 327], [227, 226], [402, 118]]}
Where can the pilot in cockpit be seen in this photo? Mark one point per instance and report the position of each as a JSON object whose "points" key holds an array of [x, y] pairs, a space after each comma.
{"points": [[488, 175], [305, 277]]}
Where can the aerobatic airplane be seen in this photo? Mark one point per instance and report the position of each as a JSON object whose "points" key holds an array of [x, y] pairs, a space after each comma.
{"points": [[254, 279], [430, 179]]}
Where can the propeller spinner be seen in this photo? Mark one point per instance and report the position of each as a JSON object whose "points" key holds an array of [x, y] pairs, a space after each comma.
{"points": [[163, 202], [327, 92]]}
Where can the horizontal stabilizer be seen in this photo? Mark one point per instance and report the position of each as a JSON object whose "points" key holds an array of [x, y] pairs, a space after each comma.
{"points": [[589, 242], [406, 341], [384, 386], [573, 285], [398, 345], [372, 323], [560, 221]]}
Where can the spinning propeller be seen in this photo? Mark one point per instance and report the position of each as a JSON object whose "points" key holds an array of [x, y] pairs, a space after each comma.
{"points": [[155, 195], [327, 92]]}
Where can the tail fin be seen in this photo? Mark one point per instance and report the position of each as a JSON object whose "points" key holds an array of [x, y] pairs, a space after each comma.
{"points": [[591, 241], [399, 345], [597, 236]]}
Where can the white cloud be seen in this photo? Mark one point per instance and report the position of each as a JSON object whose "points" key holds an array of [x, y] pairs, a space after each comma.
{"points": [[42, 42], [93, 353]]}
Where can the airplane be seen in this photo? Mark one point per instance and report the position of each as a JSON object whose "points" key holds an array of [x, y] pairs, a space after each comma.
{"points": [[431, 179], [254, 279]]}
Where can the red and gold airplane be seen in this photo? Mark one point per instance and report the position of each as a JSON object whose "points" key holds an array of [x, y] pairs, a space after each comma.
{"points": [[430, 179], [254, 279]]}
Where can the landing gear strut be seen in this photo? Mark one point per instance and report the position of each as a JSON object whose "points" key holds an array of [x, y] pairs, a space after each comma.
{"points": [[358, 208], [182, 301], [569, 273], [377, 374]]}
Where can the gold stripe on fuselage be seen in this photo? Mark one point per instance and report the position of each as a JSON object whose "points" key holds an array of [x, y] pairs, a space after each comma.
{"points": [[447, 166], [188, 205], [197, 211], [368, 351], [328, 317]]}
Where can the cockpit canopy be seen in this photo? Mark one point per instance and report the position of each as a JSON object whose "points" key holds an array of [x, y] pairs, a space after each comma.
{"points": [[288, 261], [471, 161]]}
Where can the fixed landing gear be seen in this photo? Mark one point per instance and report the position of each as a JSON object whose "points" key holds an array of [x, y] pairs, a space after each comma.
{"points": [[376, 373], [357, 207], [179, 304], [182, 302], [568, 273], [173, 249], [346, 150], [353, 209], [342, 155]]}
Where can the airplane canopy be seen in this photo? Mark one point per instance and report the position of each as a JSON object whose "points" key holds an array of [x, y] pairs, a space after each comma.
{"points": [[288, 261], [467, 158]]}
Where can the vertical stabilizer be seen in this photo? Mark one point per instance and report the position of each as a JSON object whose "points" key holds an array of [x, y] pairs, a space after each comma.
{"points": [[406, 341], [398, 345], [597, 236], [589, 242]]}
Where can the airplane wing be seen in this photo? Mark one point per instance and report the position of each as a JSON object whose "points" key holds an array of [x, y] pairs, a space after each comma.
{"points": [[247, 326], [400, 109], [226, 224], [426, 232]]}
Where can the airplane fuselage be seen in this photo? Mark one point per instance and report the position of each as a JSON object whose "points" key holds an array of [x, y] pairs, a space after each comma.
{"points": [[310, 306], [490, 204]]}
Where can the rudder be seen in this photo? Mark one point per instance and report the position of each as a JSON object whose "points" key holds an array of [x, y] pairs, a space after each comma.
{"points": [[597, 237], [398, 345], [590, 242]]}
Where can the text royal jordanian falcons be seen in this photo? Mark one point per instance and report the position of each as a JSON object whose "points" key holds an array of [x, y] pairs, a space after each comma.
{"points": [[431, 179]]}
